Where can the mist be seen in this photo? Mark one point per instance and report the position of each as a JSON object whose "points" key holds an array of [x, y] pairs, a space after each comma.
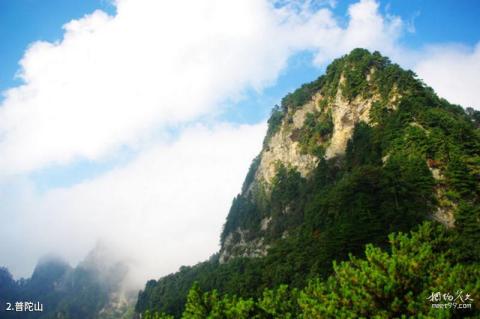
{"points": [[164, 209]]}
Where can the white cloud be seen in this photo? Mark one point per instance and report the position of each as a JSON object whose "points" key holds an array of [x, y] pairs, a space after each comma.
{"points": [[453, 71], [164, 209], [111, 80], [366, 28]]}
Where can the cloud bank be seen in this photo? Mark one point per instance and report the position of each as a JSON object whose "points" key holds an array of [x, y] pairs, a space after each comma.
{"points": [[112, 80], [164, 209], [453, 72]]}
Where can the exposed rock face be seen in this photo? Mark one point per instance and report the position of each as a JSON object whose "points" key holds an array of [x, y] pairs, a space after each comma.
{"points": [[281, 148], [445, 210], [445, 216], [119, 305], [242, 247], [265, 222], [345, 115]]}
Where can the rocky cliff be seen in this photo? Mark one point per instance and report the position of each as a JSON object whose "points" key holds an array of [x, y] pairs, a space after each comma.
{"points": [[313, 123]]}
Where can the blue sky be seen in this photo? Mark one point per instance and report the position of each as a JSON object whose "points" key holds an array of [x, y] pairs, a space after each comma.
{"points": [[112, 110], [26, 21]]}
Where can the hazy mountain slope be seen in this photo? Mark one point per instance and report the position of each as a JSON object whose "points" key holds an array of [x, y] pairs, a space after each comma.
{"points": [[365, 150], [93, 289]]}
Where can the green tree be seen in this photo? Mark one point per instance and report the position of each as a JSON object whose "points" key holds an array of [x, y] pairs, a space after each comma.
{"points": [[280, 303], [393, 284], [195, 308]]}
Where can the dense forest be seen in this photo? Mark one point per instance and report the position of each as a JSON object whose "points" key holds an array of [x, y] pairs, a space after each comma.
{"points": [[402, 280], [372, 233]]}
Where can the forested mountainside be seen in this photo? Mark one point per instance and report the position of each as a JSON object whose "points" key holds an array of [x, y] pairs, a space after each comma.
{"points": [[91, 290], [364, 151]]}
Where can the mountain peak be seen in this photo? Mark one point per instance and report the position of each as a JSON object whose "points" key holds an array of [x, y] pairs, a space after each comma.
{"points": [[316, 123]]}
